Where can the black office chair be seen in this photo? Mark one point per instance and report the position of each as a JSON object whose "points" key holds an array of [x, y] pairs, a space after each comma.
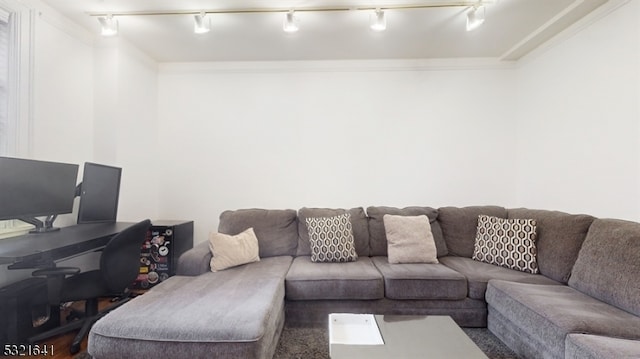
{"points": [[119, 266]]}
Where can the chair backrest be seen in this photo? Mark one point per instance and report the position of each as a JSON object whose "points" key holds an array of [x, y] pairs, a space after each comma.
{"points": [[120, 259]]}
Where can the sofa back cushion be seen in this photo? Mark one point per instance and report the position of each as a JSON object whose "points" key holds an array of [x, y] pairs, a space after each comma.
{"points": [[607, 267], [276, 229], [378, 243], [560, 236], [459, 226], [358, 225]]}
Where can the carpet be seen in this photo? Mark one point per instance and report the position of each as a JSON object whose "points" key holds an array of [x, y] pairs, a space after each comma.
{"points": [[312, 343]]}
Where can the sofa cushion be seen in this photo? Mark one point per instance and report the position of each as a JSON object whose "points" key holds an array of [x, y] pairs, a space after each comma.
{"points": [[608, 265], [547, 313], [358, 224], [230, 251], [277, 230], [195, 261], [331, 239], [509, 243], [459, 226], [478, 274], [409, 239], [378, 237], [560, 236], [585, 346], [421, 281], [352, 280], [235, 313]]}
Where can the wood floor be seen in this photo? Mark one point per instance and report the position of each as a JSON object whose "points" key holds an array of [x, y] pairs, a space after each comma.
{"points": [[60, 345]]}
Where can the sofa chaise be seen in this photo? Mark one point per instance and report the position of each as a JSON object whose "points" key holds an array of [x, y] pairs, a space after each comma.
{"points": [[583, 302], [602, 299]]}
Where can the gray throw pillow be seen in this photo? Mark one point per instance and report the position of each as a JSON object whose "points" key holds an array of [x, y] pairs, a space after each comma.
{"points": [[331, 239]]}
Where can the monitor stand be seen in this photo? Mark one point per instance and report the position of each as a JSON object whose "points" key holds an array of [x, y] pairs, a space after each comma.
{"points": [[41, 227]]}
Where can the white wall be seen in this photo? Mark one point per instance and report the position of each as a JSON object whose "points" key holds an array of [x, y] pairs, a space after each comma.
{"points": [[579, 121], [125, 123], [303, 134], [96, 100], [559, 132], [62, 126], [93, 101]]}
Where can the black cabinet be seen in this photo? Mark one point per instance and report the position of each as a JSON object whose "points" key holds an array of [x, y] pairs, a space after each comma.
{"points": [[165, 242]]}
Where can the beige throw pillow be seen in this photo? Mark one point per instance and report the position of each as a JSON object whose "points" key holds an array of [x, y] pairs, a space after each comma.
{"points": [[409, 239], [230, 251]]}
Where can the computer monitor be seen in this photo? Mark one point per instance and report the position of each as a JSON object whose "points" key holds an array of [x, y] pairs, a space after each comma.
{"points": [[99, 193], [31, 188]]}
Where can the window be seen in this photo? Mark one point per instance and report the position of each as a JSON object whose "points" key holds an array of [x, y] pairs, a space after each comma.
{"points": [[15, 85], [5, 132], [4, 82]]}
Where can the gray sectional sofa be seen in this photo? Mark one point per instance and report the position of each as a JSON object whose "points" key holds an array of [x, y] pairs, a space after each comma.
{"points": [[584, 303]]}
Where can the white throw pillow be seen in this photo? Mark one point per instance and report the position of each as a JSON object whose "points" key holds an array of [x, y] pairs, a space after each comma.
{"points": [[409, 239], [230, 251]]}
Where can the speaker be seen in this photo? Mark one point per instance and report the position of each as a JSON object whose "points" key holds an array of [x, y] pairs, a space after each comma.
{"points": [[25, 311]]}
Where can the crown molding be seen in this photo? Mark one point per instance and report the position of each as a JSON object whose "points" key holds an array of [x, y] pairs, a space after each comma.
{"points": [[52, 17], [603, 11], [336, 66]]}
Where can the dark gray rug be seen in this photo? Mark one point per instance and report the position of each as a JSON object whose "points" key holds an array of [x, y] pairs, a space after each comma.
{"points": [[312, 343]]}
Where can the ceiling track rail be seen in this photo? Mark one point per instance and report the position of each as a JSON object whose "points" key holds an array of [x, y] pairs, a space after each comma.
{"points": [[442, 4]]}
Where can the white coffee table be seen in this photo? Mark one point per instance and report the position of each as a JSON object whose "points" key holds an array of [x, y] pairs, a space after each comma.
{"points": [[404, 337]]}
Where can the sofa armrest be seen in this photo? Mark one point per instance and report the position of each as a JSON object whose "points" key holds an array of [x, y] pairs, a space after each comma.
{"points": [[195, 261]]}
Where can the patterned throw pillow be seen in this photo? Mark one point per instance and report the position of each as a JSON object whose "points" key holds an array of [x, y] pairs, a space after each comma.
{"points": [[331, 239], [509, 243]]}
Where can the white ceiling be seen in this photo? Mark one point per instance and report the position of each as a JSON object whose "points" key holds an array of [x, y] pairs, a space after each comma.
{"points": [[512, 29]]}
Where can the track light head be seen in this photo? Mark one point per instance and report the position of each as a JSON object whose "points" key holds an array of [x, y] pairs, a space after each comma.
{"points": [[201, 23], [475, 17], [378, 21], [290, 23], [109, 25]]}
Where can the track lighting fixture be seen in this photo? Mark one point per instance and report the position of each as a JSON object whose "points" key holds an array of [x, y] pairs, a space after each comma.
{"points": [[109, 25], [475, 17], [201, 23], [377, 21], [290, 23], [377, 18]]}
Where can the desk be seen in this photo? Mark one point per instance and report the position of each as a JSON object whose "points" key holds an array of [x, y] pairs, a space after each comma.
{"points": [[43, 249]]}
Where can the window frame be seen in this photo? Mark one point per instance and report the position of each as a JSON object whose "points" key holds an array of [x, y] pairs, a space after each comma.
{"points": [[19, 89]]}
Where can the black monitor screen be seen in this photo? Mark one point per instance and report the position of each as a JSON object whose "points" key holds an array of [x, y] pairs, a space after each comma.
{"points": [[30, 188], [99, 193]]}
